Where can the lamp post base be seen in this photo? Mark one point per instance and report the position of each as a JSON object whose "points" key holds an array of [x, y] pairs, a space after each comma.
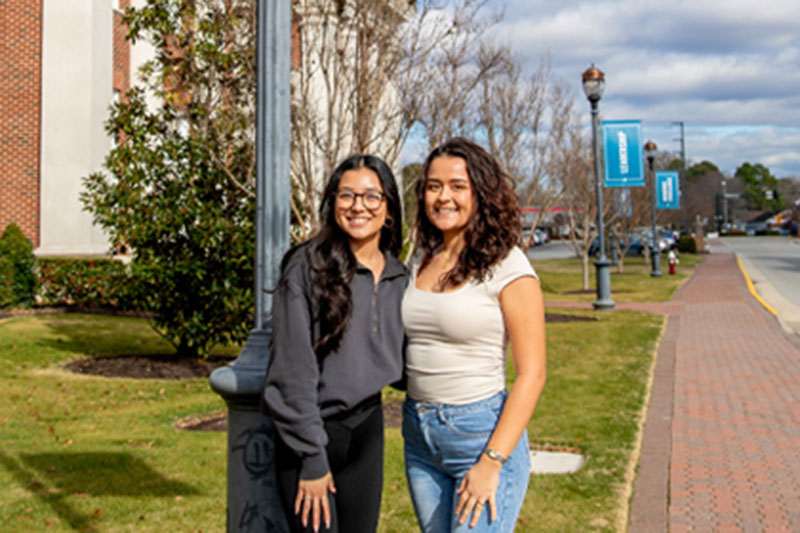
{"points": [[604, 301], [656, 273], [253, 503]]}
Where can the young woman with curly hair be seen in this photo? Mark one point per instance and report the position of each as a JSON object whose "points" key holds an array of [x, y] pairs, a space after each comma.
{"points": [[337, 341], [472, 292]]}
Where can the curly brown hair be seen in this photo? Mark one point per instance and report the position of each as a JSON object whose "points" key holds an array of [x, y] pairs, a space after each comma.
{"points": [[495, 227]]}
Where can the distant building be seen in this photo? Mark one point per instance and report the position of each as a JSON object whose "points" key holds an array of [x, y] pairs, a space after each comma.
{"points": [[62, 65]]}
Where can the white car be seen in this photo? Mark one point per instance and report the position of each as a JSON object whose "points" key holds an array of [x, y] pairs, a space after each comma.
{"points": [[537, 237]]}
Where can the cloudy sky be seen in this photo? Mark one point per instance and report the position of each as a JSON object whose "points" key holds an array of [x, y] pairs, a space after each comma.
{"points": [[729, 69]]}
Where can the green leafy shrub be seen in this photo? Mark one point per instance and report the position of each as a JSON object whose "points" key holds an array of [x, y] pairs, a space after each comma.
{"points": [[687, 245], [91, 283], [16, 247], [6, 282], [180, 186]]}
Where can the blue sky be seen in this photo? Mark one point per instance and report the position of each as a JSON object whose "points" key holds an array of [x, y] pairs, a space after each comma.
{"points": [[729, 69]]}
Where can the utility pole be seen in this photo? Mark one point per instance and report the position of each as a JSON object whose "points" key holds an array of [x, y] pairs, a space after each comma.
{"points": [[684, 182]]}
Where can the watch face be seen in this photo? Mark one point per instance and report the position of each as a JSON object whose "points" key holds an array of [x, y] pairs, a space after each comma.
{"points": [[494, 455]]}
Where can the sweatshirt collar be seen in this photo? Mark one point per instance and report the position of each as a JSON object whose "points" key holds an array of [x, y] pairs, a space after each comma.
{"points": [[393, 267]]}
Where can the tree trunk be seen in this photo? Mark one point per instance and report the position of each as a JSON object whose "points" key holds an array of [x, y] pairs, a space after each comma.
{"points": [[585, 271]]}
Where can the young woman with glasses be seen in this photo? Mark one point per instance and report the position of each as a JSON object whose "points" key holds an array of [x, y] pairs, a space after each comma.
{"points": [[471, 293], [337, 341]]}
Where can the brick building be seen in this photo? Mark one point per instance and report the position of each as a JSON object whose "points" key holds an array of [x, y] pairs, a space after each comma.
{"points": [[61, 65]]}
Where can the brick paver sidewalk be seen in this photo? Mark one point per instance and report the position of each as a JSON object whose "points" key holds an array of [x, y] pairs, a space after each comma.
{"points": [[721, 448], [734, 462]]}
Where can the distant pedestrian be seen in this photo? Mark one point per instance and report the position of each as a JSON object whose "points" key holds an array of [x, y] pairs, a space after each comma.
{"points": [[337, 341], [471, 292]]}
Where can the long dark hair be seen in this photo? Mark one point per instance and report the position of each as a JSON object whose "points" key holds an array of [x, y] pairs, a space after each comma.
{"points": [[495, 227], [330, 258]]}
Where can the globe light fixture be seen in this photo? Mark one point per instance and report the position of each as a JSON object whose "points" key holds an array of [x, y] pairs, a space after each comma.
{"points": [[594, 83]]}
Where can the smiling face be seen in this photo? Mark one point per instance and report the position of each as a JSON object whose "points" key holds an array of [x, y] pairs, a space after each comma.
{"points": [[449, 199], [362, 225]]}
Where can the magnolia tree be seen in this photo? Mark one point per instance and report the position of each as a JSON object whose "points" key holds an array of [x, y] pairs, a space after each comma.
{"points": [[180, 182]]}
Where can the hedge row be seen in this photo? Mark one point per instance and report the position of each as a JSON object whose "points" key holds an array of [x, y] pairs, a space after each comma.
{"points": [[687, 244], [57, 282], [89, 283]]}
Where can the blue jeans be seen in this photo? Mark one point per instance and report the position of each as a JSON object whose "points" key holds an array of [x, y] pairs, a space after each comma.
{"points": [[442, 442]]}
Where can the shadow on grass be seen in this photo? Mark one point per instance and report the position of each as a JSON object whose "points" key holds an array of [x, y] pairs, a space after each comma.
{"points": [[96, 335], [55, 477]]}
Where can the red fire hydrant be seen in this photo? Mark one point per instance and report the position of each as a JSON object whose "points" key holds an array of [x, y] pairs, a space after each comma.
{"points": [[673, 260]]}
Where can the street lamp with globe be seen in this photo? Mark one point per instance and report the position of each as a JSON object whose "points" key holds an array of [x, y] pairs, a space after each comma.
{"points": [[593, 85]]}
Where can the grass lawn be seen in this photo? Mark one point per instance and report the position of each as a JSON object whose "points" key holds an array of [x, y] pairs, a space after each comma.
{"points": [[562, 279], [89, 453]]}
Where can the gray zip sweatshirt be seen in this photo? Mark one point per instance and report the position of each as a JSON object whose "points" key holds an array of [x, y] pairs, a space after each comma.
{"points": [[300, 389]]}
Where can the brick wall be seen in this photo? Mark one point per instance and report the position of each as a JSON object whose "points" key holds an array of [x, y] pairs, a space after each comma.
{"points": [[20, 113], [297, 42]]}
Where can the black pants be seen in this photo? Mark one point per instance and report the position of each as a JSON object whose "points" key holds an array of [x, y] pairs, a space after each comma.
{"points": [[355, 455]]}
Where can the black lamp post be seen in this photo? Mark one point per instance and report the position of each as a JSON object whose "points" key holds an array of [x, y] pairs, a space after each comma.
{"points": [[593, 84], [253, 503], [650, 152]]}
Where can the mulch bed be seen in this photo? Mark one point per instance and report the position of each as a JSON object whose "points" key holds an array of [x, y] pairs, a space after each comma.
{"points": [[70, 309], [556, 317], [147, 366], [579, 291]]}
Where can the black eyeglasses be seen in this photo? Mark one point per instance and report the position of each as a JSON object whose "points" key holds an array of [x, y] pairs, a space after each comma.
{"points": [[372, 199]]}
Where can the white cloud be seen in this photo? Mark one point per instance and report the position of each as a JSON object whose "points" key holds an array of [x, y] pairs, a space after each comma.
{"points": [[730, 146], [729, 68]]}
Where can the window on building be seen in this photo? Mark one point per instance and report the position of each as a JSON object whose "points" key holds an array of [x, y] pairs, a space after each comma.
{"points": [[115, 5]]}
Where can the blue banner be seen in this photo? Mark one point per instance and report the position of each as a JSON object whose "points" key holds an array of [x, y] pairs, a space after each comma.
{"points": [[667, 191], [623, 153]]}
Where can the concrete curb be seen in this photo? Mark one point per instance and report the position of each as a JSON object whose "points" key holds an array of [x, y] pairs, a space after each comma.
{"points": [[787, 313]]}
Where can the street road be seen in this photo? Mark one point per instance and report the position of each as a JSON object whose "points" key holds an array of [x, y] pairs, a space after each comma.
{"points": [[551, 250], [773, 263]]}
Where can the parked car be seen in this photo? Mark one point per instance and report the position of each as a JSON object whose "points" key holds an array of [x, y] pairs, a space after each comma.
{"points": [[666, 240], [536, 237], [671, 238], [632, 243], [635, 246]]}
